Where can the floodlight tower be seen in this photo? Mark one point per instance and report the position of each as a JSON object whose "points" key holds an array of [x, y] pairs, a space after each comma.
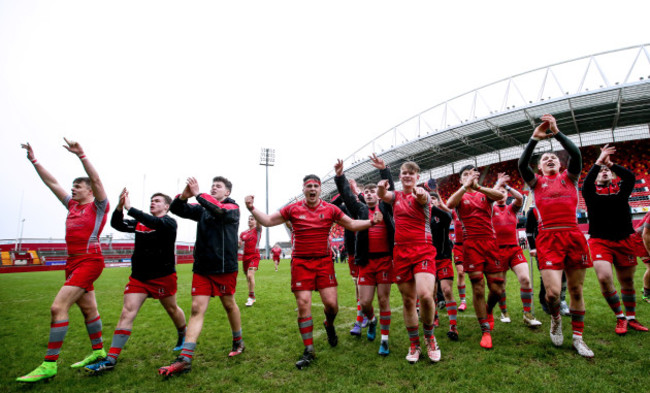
{"points": [[267, 158]]}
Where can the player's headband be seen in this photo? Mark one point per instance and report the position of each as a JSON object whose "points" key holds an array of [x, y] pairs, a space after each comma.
{"points": [[311, 181]]}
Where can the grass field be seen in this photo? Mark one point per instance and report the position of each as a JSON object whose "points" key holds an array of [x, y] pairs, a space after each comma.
{"points": [[522, 360]]}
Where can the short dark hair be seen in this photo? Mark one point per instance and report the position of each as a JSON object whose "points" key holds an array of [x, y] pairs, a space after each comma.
{"points": [[223, 180], [83, 179], [369, 185], [467, 168], [435, 195], [167, 198], [311, 177]]}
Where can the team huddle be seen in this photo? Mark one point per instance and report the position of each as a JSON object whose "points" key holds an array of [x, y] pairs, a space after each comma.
{"points": [[393, 237]]}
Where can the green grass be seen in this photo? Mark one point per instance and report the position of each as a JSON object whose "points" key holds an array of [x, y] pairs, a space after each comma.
{"points": [[522, 360]]}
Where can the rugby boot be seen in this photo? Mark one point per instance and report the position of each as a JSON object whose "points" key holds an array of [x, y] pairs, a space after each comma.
{"points": [[453, 333], [582, 348], [462, 306], [433, 350], [99, 367], [486, 340], [178, 367], [505, 317], [621, 326], [307, 358], [356, 330], [414, 353], [98, 354], [634, 324], [531, 321], [44, 372], [237, 348], [372, 330], [383, 348], [557, 338]]}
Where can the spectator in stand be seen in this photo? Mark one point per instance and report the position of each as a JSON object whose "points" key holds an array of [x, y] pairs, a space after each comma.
{"points": [[611, 236], [561, 246]]}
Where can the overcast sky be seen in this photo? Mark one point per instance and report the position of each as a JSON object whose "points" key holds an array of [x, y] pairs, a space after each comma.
{"points": [[156, 91]]}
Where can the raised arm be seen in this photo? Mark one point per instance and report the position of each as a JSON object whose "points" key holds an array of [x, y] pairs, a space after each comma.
{"points": [[384, 171], [267, 220], [95, 182], [471, 182], [504, 179], [574, 167], [181, 208], [628, 179], [344, 189], [46, 176], [525, 170]]}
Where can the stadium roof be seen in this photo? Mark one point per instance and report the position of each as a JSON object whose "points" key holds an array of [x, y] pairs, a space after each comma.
{"points": [[596, 99]]}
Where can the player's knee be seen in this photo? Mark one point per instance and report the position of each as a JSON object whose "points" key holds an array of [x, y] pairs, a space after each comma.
{"points": [[476, 279]]}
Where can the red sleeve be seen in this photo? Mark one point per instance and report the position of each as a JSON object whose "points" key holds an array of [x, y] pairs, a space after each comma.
{"points": [[337, 213], [228, 206], [286, 212]]}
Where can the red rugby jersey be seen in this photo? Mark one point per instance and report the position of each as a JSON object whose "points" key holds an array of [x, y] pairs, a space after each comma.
{"points": [[504, 220], [377, 235], [475, 214], [556, 200], [251, 239], [276, 252], [412, 220], [84, 225], [311, 227]]}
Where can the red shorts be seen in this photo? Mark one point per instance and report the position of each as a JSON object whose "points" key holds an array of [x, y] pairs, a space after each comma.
{"points": [[482, 255], [409, 259], [444, 269], [82, 271], [276, 259], [377, 271], [562, 249], [214, 284], [512, 255], [312, 274], [621, 253], [251, 261], [458, 254], [156, 288], [639, 248], [354, 269]]}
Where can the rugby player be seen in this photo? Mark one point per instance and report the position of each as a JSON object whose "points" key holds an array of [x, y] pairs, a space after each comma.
{"points": [[153, 271], [87, 205], [311, 264], [215, 263], [611, 235], [561, 246]]}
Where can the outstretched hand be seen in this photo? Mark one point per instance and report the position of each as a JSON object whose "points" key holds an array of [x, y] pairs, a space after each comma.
{"points": [[187, 193], [382, 187], [338, 167], [377, 162], [502, 179], [73, 147], [30, 151], [552, 124]]}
